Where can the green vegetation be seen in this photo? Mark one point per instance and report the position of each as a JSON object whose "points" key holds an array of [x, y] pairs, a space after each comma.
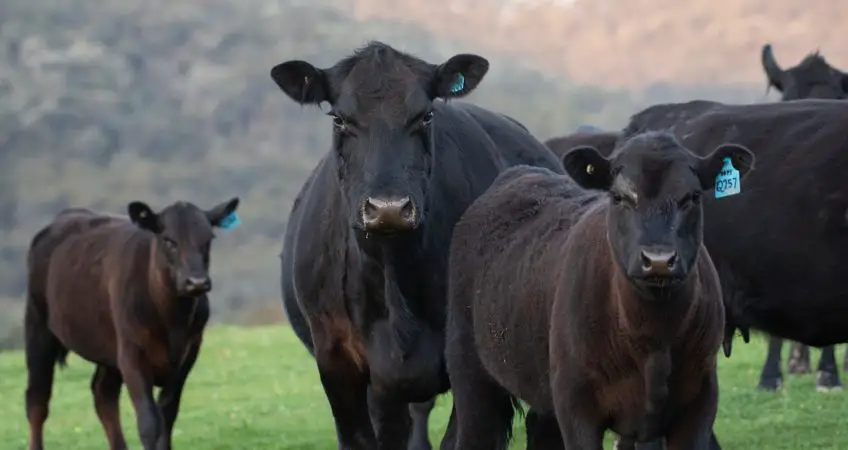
{"points": [[257, 388]]}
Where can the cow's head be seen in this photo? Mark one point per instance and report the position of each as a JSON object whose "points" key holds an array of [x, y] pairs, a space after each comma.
{"points": [[383, 115], [812, 78], [183, 236], [655, 185]]}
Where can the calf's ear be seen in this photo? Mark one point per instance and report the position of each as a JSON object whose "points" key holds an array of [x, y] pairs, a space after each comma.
{"points": [[710, 165], [222, 213], [458, 76], [144, 217], [302, 82], [587, 167]]}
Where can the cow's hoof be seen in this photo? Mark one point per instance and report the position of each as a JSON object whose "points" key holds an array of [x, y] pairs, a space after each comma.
{"points": [[827, 382], [770, 384]]}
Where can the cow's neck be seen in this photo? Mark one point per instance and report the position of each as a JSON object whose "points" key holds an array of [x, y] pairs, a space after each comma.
{"points": [[652, 318]]}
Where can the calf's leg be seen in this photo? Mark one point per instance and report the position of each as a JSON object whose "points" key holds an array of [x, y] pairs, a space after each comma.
{"points": [[692, 427], [799, 359], [827, 374], [140, 386], [484, 410], [580, 422], [106, 388], [169, 396], [43, 350], [771, 378], [420, 413]]}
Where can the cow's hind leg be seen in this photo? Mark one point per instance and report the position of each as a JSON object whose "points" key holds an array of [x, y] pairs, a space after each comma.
{"points": [[106, 388], [827, 375], [845, 363], [43, 352], [420, 413], [799, 359], [542, 431], [771, 378]]}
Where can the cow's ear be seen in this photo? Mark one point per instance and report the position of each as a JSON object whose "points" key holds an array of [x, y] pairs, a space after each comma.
{"points": [[587, 167], [144, 217], [774, 74], [224, 214], [302, 82], [710, 166], [458, 76]]}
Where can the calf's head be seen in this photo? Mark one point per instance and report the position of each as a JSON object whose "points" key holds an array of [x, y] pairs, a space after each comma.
{"points": [[655, 185], [183, 235], [383, 115], [812, 78]]}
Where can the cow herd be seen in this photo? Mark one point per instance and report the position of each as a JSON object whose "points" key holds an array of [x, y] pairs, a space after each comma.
{"points": [[439, 246]]}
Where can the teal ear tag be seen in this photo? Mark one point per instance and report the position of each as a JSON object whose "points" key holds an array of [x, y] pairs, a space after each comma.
{"points": [[231, 221], [459, 85], [727, 182]]}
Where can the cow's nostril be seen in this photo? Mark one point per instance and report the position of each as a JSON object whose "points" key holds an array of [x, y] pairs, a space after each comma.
{"points": [[647, 264], [388, 214]]}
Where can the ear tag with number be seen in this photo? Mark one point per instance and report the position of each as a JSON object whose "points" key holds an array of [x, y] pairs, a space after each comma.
{"points": [[727, 182]]}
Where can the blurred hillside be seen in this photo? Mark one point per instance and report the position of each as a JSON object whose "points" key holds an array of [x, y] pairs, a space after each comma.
{"points": [[636, 42], [102, 103]]}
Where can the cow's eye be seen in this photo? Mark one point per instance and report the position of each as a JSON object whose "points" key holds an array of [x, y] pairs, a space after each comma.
{"points": [[171, 244], [427, 119], [691, 199], [338, 122], [616, 198], [696, 198]]}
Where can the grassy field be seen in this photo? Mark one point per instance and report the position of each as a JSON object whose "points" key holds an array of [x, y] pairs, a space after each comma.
{"points": [[258, 389]]}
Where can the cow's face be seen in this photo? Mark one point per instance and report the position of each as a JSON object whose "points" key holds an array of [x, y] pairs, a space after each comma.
{"points": [[183, 237], [383, 116], [655, 185]]}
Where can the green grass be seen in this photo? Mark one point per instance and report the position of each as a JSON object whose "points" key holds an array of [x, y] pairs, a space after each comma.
{"points": [[258, 389]]}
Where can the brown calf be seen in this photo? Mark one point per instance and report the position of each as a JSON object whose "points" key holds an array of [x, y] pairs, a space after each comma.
{"points": [[591, 298], [129, 295]]}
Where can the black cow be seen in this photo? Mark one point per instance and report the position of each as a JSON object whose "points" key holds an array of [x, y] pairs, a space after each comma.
{"points": [[781, 265], [366, 251], [547, 274], [812, 78]]}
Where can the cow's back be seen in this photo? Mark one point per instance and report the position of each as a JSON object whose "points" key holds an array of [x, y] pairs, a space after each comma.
{"points": [[67, 223], [785, 236], [503, 264], [88, 272]]}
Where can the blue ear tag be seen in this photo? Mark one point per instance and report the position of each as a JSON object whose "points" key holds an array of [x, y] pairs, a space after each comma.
{"points": [[727, 181], [459, 85], [231, 221]]}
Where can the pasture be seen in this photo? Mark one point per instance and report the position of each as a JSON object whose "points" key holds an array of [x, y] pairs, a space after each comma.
{"points": [[257, 388]]}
